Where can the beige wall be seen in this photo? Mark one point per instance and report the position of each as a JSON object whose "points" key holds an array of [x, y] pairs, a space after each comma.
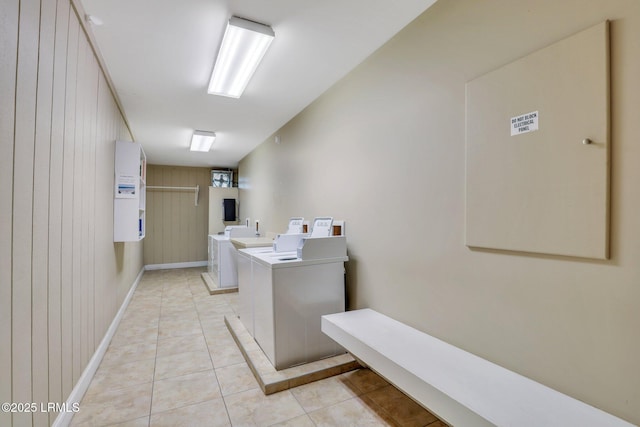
{"points": [[62, 279], [384, 149], [176, 228], [216, 214]]}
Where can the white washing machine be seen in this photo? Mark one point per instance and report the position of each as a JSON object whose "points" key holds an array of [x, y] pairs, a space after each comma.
{"points": [[245, 285], [221, 264], [283, 242], [291, 292], [283, 245]]}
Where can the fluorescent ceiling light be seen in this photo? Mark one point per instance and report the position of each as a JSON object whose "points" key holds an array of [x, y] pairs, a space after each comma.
{"points": [[202, 141], [243, 46]]}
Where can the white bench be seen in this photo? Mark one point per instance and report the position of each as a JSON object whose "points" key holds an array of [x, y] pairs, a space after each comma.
{"points": [[457, 386]]}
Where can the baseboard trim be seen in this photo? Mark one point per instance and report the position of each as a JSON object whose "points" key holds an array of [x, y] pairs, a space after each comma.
{"points": [[64, 418], [176, 265]]}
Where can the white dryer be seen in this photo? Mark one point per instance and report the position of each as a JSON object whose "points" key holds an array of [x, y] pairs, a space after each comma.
{"points": [[291, 293]]}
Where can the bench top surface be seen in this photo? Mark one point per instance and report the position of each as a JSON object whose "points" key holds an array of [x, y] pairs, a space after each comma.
{"points": [[499, 395]]}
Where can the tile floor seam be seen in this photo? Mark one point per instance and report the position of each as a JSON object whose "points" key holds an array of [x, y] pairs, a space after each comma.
{"points": [[155, 364], [379, 408], [181, 406], [301, 405], [213, 365], [222, 396]]}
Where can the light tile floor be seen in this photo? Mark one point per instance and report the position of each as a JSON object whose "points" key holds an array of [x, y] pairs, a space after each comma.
{"points": [[172, 362]]}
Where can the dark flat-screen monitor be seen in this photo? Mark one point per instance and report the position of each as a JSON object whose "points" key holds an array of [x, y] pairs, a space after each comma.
{"points": [[229, 208]]}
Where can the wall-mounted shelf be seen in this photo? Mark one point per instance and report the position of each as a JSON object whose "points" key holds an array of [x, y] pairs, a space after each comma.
{"points": [[162, 187], [129, 204]]}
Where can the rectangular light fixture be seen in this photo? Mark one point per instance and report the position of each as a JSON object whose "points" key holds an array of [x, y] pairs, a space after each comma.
{"points": [[243, 46], [202, 141]]}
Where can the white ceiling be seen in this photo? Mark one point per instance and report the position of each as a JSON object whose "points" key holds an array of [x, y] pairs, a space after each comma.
{"points": [[160, 53]]}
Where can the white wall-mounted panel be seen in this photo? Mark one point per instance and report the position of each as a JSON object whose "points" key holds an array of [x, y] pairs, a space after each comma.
{"points": [[532, 185]]}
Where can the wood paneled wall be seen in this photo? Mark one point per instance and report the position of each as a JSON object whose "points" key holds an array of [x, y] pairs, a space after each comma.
{"points": [[62, 279], [176, 228]]}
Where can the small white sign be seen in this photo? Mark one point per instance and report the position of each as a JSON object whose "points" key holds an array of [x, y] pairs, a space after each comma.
{"points": [[126, 186], [524, 123]]}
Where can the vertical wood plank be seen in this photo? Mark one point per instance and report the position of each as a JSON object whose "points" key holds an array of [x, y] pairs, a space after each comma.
{"points": [[200, 218], [67, 207], [90, 196], [170, 229], [170, 201], [82, 178], [8, 66], [79, 326], [55, 204], [152, 227], [203, 214], [26, 92], [114, 134], [40, 233], [182, 210], [99, 274], [106, 306], [188, 208]]}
